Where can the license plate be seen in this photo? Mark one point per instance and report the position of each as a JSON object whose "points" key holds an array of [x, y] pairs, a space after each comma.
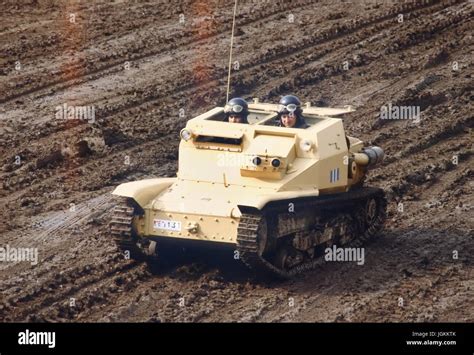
{"points": [[168, 225]]}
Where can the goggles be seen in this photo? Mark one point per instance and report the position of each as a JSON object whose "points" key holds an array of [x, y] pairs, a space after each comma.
{"points": [[233, 108], [290, 108]]}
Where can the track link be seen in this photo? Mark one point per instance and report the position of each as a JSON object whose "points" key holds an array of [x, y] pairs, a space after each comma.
{"points": [[121, 229]]}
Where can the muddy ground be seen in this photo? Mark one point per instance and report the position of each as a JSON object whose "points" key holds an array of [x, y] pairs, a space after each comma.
{"points": [[147, 67]]}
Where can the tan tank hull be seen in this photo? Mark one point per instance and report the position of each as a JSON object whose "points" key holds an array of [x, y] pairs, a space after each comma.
{"points": [[202, 211]]}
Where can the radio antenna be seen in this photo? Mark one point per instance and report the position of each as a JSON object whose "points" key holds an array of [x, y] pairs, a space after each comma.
{"points": [[230, 55]]}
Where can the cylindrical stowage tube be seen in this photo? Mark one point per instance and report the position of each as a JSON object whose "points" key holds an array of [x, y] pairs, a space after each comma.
{"points": [[375, 155], [369, 157]]}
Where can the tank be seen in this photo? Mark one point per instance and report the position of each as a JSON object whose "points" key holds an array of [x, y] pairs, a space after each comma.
{"points": [[278, 196]]}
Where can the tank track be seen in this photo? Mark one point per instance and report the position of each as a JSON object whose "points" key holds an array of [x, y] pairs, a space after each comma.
{"points": [[122, 230], [247, 233]]}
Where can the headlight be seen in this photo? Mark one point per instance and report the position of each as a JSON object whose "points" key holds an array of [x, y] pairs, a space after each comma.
{"points": [[306, 145], [276, 163], [257, 161], [186, 134]]}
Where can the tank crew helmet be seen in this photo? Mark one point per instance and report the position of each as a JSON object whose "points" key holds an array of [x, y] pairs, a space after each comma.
{"points": [[289, 104], [236, 107]]}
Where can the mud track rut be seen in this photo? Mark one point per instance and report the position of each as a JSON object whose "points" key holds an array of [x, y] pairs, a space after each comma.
{"points": [[177, 66]]}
